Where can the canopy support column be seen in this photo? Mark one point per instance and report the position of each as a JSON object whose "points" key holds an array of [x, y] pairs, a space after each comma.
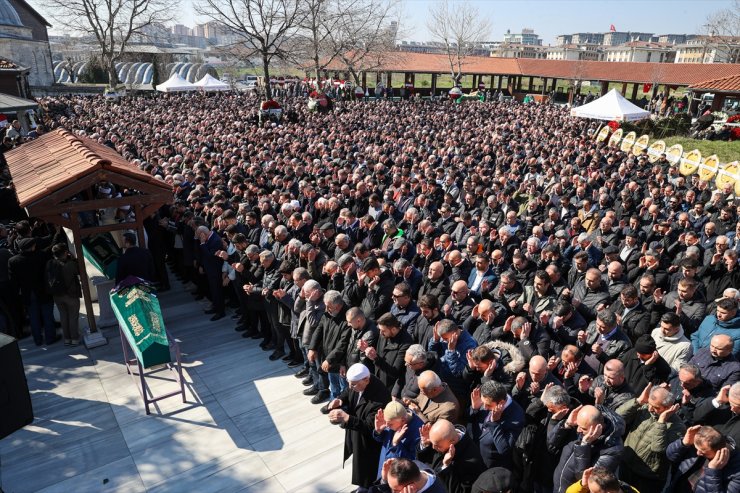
{"points": [[93, 337]]}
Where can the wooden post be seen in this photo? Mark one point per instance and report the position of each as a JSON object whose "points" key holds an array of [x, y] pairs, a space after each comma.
{"points": [[140, 236], [434, 85], [554, 84], [604, 87], [77, 239], [634, 91], [500, 80], [624, 89]]}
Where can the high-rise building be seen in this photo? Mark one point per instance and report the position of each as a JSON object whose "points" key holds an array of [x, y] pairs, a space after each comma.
{"points": [[526, 37], [180, 30]]}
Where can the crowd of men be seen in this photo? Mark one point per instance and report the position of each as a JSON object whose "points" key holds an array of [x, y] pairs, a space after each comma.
{"points": [[482, 295]]}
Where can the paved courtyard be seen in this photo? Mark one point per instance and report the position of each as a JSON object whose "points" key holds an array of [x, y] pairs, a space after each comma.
{"points": [[246, 425]]}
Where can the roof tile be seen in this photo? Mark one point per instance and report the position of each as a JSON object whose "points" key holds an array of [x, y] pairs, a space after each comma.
{"points": [[638, 72], [59, 158], [723, 84]]}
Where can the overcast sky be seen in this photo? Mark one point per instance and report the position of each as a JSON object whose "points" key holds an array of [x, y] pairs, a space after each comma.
{"points": [[552, 17]]}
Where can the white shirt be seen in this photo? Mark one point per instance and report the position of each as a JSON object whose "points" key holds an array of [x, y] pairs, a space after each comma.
{"points": [[478, 280]]}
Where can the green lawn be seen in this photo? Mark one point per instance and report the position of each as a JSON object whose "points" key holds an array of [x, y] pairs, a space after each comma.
{"points": [[726, 151]]}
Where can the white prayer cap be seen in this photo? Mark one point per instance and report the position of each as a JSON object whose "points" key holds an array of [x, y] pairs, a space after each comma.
{"points": [[357, 372]]}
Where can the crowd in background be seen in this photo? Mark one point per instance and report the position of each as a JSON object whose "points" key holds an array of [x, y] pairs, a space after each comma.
{"points": [[481, 288]]}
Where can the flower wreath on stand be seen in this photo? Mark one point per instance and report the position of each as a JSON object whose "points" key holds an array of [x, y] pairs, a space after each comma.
{"points": [[735, 131]]}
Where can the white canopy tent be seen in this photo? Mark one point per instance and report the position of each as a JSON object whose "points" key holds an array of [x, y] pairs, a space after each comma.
{"points": [[175, 84], [611, 106], [210, 83]]}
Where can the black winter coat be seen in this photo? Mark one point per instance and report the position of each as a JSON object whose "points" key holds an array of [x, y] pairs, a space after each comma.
{"points": [[358, 439]]}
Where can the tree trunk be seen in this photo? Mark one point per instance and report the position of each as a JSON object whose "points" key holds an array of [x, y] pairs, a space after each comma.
{"points": [[112, 75], [355, 76], [317, 68], [266, 72]]}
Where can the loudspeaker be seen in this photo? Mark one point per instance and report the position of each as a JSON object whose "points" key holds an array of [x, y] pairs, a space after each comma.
{"points": [[15, 400]]}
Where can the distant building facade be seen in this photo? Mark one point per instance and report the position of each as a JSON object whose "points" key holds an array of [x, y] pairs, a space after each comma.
{"points": [[641, 51], [709, 49], [24, 40], [526, 37]]}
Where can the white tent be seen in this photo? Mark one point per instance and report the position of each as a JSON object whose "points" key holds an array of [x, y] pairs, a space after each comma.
{"points": [[175, 84], [210, 83], [611, 106]]}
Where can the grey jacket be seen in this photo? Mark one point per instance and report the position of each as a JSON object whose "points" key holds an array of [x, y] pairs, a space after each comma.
{"points": [[310, 317]]}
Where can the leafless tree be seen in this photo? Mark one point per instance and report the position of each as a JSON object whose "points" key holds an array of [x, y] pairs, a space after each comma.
{"points": [[263, 28], [578, 75], [111, 23], [363, 34], [722, 29], [460, 28], [315, 34]]}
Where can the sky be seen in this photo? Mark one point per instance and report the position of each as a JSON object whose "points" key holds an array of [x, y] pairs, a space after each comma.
{"points": [[552, 17]]}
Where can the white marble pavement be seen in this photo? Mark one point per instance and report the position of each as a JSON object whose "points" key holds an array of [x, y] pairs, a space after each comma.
{"points": [[246, 425]]}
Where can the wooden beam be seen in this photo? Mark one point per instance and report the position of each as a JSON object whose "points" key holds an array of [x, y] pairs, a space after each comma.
{"points": [[56, 219], [91, 205], [65, 192], [107, 228], [77, 239], [152, 208], [141, 186]]}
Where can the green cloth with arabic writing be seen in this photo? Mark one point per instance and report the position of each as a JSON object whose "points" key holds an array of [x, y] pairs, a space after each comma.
{"points": [[138, 313]]}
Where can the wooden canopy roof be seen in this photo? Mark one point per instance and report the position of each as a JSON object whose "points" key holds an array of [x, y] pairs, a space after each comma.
{"points": [[51, 170]]}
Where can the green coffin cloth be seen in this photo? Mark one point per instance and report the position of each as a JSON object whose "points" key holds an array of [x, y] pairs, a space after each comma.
{"points": [[101, 250], [137, 310]]}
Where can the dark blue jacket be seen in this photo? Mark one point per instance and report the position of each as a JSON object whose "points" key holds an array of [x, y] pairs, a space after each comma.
{"points": [[718, 373], [576, 457], [406, 448], [211, 264], [685, 460], [489, 276], [497, 438]]}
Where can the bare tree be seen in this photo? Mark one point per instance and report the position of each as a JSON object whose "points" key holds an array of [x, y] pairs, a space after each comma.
{"points": [[722, 29], [575, 83], [111, 23], [263, 28], [460, 28], [364, 35], [319, 21]]}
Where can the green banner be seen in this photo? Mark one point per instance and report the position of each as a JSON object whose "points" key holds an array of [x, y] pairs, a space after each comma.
{"points": [[138, 313]]}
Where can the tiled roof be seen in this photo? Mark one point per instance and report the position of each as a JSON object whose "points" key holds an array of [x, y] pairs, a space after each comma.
{"points": [[639, 72], [724, 84], [8, 65], [59, 158]]}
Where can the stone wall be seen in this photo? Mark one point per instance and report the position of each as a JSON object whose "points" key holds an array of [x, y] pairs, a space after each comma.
{"points": [[34, 55]]}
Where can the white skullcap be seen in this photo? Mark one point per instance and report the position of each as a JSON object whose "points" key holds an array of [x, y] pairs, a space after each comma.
{"points": [[357, 372]]}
